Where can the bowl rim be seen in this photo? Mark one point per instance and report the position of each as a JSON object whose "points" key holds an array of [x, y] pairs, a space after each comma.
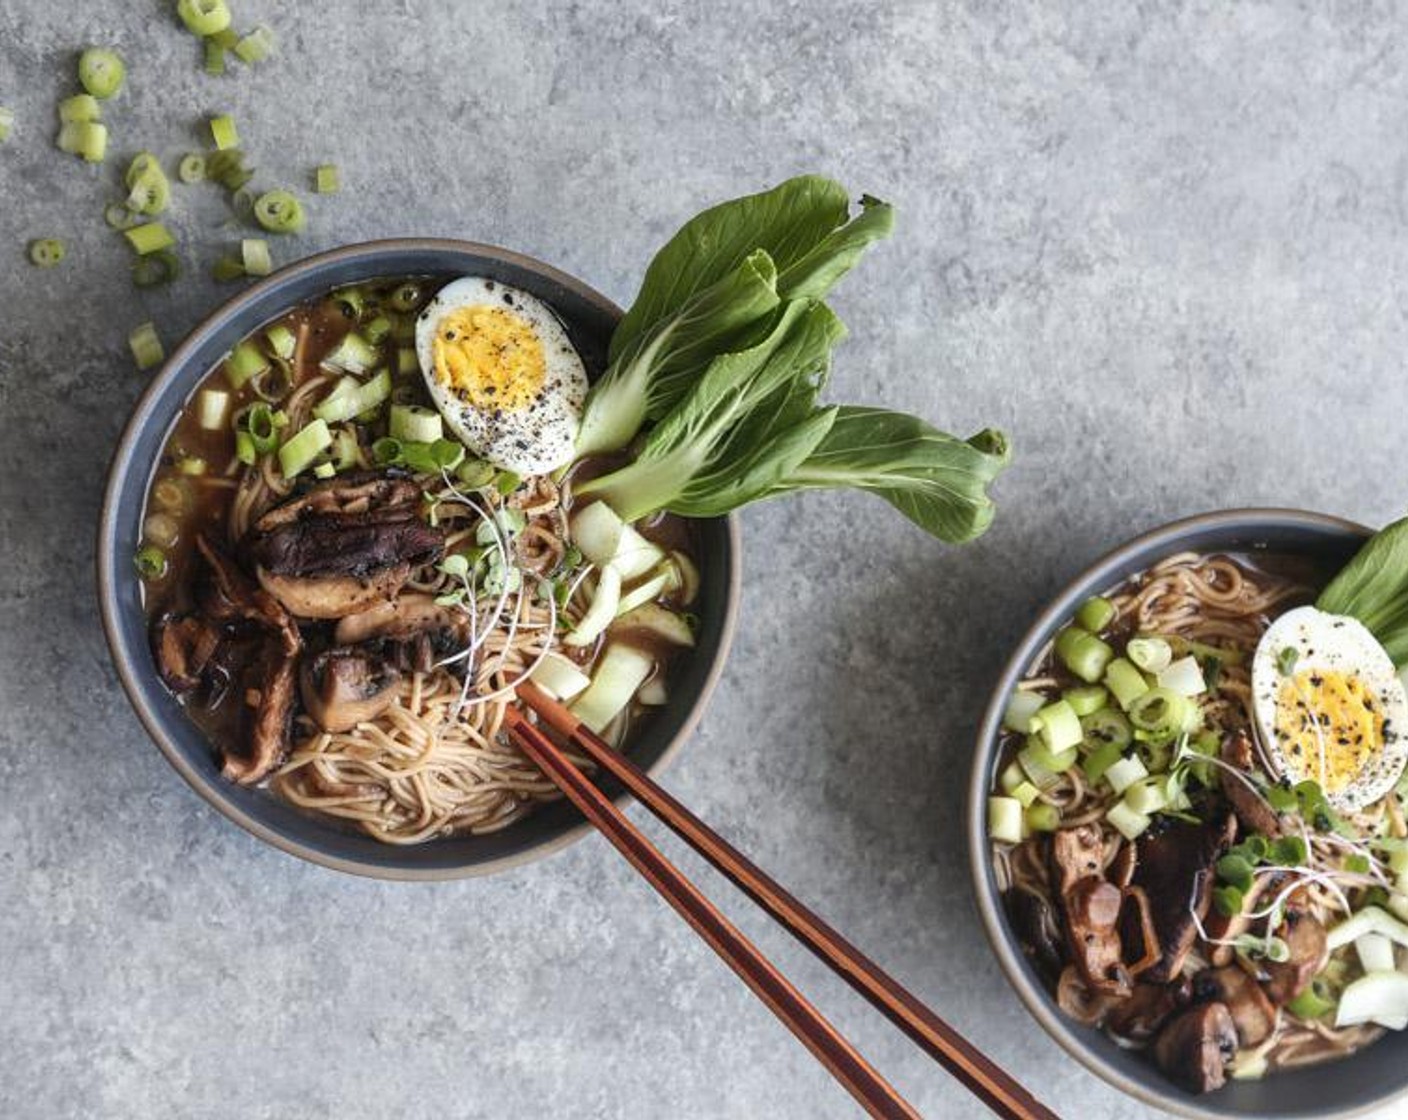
{"points": [[1070, 1036], [122, 463]]}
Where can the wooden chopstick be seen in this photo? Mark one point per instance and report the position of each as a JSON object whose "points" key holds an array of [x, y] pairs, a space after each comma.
{"points": [[983, 1077], [845, 1063]]}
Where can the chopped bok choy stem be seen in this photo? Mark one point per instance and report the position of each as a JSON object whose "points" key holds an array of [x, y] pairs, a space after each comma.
{"points": [[618, 675]]}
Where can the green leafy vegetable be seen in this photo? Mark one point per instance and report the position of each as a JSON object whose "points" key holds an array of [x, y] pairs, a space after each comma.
{"points": [[1373, 587]]}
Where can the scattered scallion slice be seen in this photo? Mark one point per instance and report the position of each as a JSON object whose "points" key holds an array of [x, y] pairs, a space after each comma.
{"points": [[224, 132], [227, 269], [78, 108], [156, 268], [327, 179], [254, 251], [214, 58], [262, 426], [46, 252], [7, 123], [244, 448], [117, 215], [149, 238], [204, 17], [245, 360], [101, 72], [301, 449], [146, 346], [413, 424], [88, 139], [225, 38], [256, 46], [279, 212], [191, 169], [148, 192]]}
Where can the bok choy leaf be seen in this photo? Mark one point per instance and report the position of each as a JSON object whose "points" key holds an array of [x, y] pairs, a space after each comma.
{"points": [[1373, 587], [714, 287]]}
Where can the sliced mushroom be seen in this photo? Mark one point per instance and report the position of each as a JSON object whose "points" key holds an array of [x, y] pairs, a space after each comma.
{"points": [[1122, 866], [1137, 933], [227, 595], [1078, 1000], [1138, 1018], [1228, 927], [1253, 1014], [344, 687], [399, 619], [1093, 935], [1251, 808], [1305, 938], [269, 736], [1038, 928], [1194, 1048], [342, 546], [1075, 854], [183, 647], [1175, 869]]}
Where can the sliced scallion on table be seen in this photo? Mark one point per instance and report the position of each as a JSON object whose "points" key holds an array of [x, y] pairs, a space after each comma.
{"points": [[279, 212], [254, 253], [191, 169], [327, 179], [256, 46], [46, 252], [146, 346], [204, 17], [149, 238], [226, 269], [78, 108], [156, 268], [214, 58], [224, 133], [119, 216], [101, 72], [7, 123]]}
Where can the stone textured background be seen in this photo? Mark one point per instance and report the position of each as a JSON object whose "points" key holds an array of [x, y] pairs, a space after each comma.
{"points": [[1162, 245]]}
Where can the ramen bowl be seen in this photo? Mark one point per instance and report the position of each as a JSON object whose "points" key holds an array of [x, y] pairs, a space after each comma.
{"points": [[1347, 1087], [589, 318]]}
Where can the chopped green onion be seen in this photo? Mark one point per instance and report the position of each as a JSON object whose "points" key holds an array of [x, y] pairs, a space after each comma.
{"points": [[191, 169], [406, 360], [7, 123], [191, 464], [326, 179], [352, 354], [1161, 712], [1106, 726], [1149, 654], [407, 297], [1086, 700], [1011, 777], [1005, 820], [386, 451], [100, 72], [224, 132], [155, 269], [79, 108], [346, 451], [279, 212], [88, 139], [351, 301], [146, 346], [1083, 653], [226, 37], [324, 470], [1147, 796], [347, 403], [204, 17], [261, 423], [256, 46], [281, 340], [1098, 761], [227, 168], [150, 562], [255, 253], [211, 407], [1022, 705], [1095, 614], [1130, 823], [299, 452], [413, 424], [1125, 682], [376, 330], [244, 448], [1124, 773], [117, 215], [149, 189], [1042, 817], [149, 238], [1314, 1002], [1058, 725], [46, 252], [1184, 676], [245, 360]]}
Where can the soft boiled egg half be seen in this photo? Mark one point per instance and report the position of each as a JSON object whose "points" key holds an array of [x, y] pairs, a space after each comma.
{"points": [[503, 373], [1329, 706]]}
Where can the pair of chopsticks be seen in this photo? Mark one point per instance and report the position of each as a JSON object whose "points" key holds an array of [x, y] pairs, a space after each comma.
{"points": [[982, 1077]]}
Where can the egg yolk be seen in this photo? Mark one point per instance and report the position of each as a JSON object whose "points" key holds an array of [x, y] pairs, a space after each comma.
{"points": [[489, 357], [1331, 720]]}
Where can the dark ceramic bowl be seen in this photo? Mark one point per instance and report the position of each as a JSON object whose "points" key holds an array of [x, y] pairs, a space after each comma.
{"points": [[590, 318], [1363, 1081]]}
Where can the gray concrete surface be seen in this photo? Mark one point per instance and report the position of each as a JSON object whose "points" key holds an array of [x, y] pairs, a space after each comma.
{"points": [[1163, 245]]}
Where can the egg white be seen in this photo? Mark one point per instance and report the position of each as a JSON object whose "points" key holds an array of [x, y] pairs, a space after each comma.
{"points": [[1339, 643], [538, 439]]}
